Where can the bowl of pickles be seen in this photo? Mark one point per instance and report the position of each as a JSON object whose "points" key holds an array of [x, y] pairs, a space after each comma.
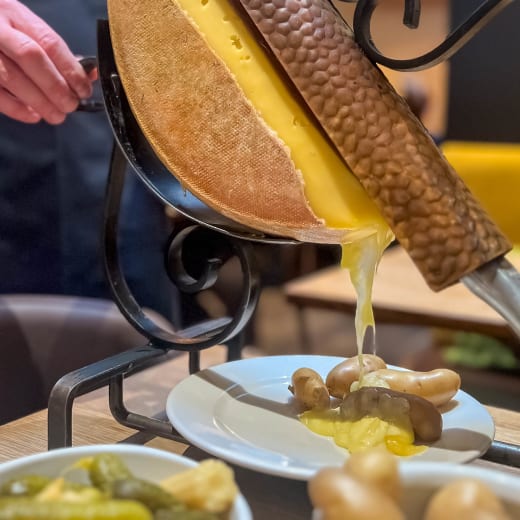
{"points": [[118, 482]]}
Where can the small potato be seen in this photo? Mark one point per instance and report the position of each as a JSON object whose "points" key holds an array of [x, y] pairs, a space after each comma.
{"points": [[339, 496], [437, 386], [465, 499], [341, 377], [377, 468], [309, 389]]}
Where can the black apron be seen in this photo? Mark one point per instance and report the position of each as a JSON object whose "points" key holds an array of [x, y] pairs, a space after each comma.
{"points": [[52, 183]]}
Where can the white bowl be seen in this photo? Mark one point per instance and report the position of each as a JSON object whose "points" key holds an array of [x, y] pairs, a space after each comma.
{"points": [[147, 463], [422, 479]]}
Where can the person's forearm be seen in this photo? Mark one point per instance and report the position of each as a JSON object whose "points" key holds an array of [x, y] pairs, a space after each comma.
{"points": [[40, 78]]}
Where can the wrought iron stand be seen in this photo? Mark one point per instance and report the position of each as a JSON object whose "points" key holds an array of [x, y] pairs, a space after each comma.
{"points": [[112, 371]]}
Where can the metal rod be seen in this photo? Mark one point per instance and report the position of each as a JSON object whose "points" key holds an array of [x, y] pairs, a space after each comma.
{"points": [[194, 362], [498, 284], [154, 425], [503, 453], [84, 380]]}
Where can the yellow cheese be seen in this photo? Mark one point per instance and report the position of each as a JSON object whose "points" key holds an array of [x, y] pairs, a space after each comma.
{"points": [[366, 433], [333, 192], [361, 258]]}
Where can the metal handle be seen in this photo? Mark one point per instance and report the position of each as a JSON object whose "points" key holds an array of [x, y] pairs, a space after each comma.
{"points": [[498, 284], [89, 63]]}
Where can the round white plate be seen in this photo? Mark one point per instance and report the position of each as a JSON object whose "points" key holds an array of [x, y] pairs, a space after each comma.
{"points": [[243, 412]]}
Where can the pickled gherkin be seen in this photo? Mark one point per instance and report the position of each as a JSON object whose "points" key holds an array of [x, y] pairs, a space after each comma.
{"points": [[30, 509], [110, 492], [148, 493], [106, 468], [28, 485]]}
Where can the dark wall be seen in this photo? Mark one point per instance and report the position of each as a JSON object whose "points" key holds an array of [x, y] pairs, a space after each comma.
{"points": [[484, 97]]}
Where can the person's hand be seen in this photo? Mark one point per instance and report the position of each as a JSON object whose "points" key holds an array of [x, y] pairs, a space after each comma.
{"points": [[39, 76]]}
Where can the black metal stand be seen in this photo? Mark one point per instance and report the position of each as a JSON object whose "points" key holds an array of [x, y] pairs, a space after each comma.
{"points": [[213, 249], [112, 371], [108, 371]]}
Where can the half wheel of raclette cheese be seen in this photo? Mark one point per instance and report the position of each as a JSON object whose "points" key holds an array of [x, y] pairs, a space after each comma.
{"points": [[221, 119], [236, 97]]}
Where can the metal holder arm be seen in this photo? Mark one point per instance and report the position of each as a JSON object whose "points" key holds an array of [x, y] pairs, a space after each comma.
{"points": [[412, 11], [498, 284]]}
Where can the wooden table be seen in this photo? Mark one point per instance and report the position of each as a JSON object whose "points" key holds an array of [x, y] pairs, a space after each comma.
{"points": [[400, 295], [269, 497]]}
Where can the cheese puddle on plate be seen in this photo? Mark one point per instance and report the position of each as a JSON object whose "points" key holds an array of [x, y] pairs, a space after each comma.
{"points": [[364, 434]]}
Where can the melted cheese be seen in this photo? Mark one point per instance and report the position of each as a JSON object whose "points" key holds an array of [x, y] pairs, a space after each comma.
{"points": [[361, 258], [333, 192], [364, 434]]}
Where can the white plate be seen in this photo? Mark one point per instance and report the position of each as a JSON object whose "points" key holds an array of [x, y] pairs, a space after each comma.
{"points": [[243, 412], [148, 463]]}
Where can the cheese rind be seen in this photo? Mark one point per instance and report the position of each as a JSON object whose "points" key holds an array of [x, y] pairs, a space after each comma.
{"points": [[212, 137]]}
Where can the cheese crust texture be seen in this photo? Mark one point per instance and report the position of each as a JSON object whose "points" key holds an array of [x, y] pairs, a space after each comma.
{"points": [[225, 124]]}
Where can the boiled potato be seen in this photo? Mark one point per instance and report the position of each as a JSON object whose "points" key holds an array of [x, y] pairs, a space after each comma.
{"points": [[465, 499], [340, 496], [378, 468]]}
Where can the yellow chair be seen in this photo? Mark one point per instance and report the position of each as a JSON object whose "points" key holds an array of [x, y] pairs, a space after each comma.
{"points": [[492, 172]]}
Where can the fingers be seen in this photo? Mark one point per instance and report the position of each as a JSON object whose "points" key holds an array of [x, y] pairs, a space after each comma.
{"points": [[12, 108], [36, 65], [56, 51], [14, 81], [93, 74]]}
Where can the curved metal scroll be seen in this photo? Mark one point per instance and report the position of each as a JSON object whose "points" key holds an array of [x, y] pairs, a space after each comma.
{"points": [[453, 42], [219, 246]]}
